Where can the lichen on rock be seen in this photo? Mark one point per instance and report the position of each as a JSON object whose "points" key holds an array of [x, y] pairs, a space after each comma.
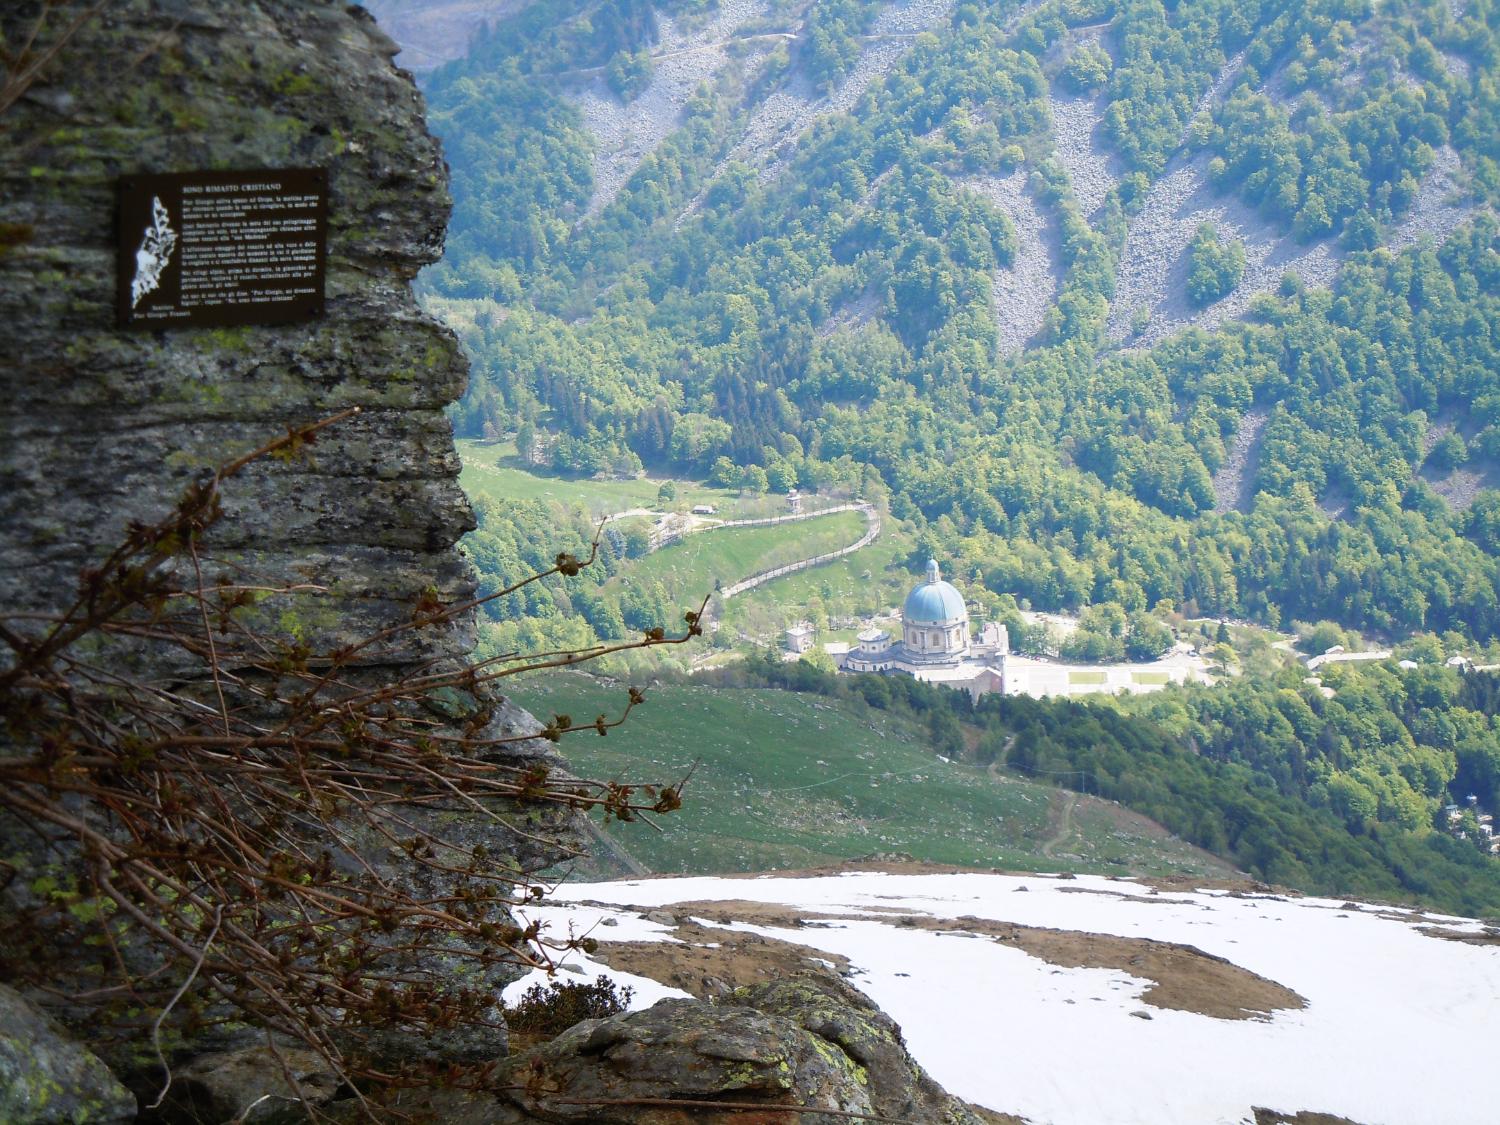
{"points": [[102, 427], [46, 1077]]}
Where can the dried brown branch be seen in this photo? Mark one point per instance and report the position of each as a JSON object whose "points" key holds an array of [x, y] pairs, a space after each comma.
{"points": [[276, 824], [25, 65]]}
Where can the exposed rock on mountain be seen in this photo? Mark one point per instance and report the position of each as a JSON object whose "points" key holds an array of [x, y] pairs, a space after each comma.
{"points": [[808, 1041]]}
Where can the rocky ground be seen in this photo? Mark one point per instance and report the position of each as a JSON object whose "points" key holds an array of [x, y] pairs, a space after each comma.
{"points": [[1153, 268], [1460, 487], [1024, 291], [1442, 204], [625, 133], [1182, 978], [1092, 166], [1093, 170], [787, 111], [1234, 483], [432, 32], [852, 315]]}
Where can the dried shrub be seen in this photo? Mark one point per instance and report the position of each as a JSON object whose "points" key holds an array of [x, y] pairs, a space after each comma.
{"points": [[271, 834], [545, 1011]]}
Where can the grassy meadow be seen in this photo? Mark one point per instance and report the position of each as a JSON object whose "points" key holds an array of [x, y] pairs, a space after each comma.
{"points": [[495, 470], [789, 781], [688, 569]]}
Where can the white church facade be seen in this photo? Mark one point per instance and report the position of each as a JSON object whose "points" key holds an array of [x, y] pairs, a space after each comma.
{"points": [[935, 644]]}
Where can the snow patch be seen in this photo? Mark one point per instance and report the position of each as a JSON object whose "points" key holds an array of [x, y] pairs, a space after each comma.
{"points": [[1387, 1003]]}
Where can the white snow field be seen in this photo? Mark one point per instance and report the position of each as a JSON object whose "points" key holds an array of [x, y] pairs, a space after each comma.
{"points": [[1398, 1029]]}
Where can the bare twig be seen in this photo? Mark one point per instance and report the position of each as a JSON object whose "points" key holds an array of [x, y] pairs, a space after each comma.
{"points": [[224, 818], [172, 1003], [23, 69]]}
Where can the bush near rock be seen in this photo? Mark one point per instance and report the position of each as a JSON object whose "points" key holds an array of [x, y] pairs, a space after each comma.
{"points": [[1215, 265]]}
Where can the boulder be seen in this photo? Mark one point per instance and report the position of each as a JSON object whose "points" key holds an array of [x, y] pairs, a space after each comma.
{"points": [[256, 1086], [808, 1041], [46, 1077]]}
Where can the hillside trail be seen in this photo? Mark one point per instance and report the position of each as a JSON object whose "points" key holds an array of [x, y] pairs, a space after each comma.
{"points": [[1065, 824], [871, 533], [993, 769]]}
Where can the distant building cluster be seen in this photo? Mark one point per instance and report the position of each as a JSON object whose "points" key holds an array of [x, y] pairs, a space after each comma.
{"points": [[1485, 824], [937, 645]]}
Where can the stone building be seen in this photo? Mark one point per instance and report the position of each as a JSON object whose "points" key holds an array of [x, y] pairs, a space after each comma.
{"points": [[935, 644]]}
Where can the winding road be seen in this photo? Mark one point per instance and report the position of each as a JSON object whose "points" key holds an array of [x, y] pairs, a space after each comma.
{"points": [[872, 531]]}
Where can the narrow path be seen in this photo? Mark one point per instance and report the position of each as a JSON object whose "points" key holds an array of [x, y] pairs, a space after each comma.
{"points": [[1065, 823], [994, 767], [872, 530]]}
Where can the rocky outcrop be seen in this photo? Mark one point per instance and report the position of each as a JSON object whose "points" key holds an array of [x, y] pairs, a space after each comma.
{"points": [[45, 1077], [809, 1041], [100, 427], [254, 1085], [103, 426]]}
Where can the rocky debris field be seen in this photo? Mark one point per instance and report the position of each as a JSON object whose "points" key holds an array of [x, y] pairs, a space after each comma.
{"points": [[852, 315], [1234, 483], [1153, 268], [1092, 169], [624, 133], [779, 118], [432, 32], [1023, 292], [1460, 487], [1442, 204]]}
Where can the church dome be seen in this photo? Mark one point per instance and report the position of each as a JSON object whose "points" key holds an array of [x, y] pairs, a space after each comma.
{"points": [[934, 601]]}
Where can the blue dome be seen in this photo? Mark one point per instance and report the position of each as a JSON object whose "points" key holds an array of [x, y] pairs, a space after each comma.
{"points": [[934, 601]]}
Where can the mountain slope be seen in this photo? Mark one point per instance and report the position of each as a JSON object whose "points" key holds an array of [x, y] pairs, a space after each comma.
{"points": [[1036, 265]]}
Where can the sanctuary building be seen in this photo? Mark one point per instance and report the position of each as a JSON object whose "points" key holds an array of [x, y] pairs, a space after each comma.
{"points": [[935, 644]]}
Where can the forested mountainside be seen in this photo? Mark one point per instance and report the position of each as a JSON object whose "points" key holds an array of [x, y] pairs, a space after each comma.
{"points": [[1114, 299]]}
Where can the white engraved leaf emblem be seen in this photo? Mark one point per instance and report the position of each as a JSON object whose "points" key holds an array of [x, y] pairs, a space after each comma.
{"points": [[156, 250]]}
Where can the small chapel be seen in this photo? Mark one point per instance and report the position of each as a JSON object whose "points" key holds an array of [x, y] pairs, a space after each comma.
{"points": [[935, 643]]}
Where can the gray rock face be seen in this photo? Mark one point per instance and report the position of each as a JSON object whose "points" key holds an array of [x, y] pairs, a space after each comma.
{"points": [[100, 427], [253, 1085], [46, 1077]]}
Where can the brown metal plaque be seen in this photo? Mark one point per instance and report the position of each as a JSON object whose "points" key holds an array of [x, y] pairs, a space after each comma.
{"points": [[220, 248]]}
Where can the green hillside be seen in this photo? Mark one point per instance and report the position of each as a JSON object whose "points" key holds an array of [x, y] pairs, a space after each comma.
{"points": [[691, 567], [787, 781], [1114, 300]]}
